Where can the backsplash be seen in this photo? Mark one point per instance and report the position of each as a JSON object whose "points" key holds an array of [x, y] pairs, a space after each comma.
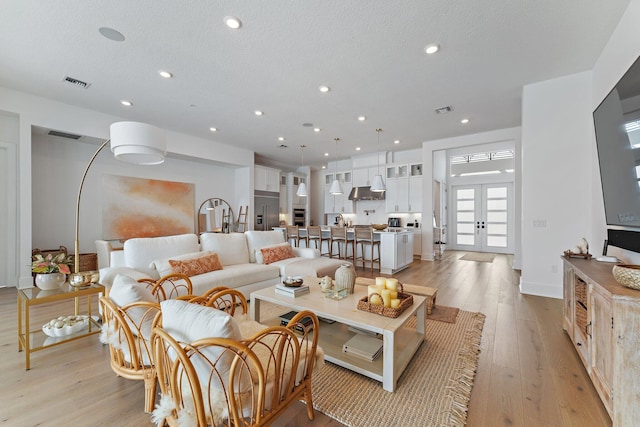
{"points": [[376, 214]]}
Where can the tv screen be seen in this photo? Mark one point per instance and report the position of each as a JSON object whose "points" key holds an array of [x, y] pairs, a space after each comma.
{"points": [[617, 127]]}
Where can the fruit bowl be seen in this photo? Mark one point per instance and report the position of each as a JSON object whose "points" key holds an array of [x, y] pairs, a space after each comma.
{"points": [[65, 325], [379, 227], [293, 282]]}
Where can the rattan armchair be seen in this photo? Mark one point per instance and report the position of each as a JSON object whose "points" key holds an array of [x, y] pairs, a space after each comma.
{"points": [[127, 329], [221, 381]]}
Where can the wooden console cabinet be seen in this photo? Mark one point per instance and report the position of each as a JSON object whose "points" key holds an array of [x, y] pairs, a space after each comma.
{"points": [[603, 320]]}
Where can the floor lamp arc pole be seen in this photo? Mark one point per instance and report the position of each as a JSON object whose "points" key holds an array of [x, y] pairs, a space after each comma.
{"points": [[84, 175]]}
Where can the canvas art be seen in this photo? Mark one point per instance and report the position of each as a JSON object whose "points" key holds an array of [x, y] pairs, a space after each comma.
{"points": [[140, 207]]}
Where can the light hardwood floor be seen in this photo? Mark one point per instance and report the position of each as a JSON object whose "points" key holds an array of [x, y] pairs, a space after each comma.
{"points": [[528, 372]]}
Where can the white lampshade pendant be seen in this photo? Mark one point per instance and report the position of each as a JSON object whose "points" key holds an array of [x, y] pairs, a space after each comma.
{"points": [[137, 143], [336, 188], [302, 190], [378, 184]]}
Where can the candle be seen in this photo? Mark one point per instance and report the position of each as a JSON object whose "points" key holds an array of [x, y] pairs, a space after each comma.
{"points": [[386, 297], [392, 284], [381, 281], [394, 294], [375, 299], [372, 289], [395, 303]]}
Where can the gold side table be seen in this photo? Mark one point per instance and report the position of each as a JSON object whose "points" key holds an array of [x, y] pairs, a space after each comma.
{"points": [[35, 340]]}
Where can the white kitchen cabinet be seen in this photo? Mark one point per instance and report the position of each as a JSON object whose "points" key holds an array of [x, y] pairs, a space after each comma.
{"points": [[415, 194], [396, 251], [363, 177], [266, 179], [397, 195], [338, 203], [404, 188]]}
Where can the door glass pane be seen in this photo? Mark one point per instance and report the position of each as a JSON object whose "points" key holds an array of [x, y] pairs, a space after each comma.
{"points": [[466, 228], [497, 216], [466, 217], [465, 239], [497, 229], [499, 204], [467, 193], [497, 241], [465, 205], [497, 192]]}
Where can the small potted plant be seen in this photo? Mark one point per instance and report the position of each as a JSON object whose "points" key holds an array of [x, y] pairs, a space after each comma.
{"points": [[51, 270]]}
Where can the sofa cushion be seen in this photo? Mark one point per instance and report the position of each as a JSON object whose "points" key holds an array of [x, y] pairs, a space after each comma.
{"points": [[195, 266], [271, 254], [259, 239], [231, 248], [234, 276], [164, 267], [140, 252]]}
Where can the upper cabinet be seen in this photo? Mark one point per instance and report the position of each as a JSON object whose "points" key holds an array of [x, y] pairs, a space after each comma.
{"points": [[404, 188], [338, 203], [266, 179]]}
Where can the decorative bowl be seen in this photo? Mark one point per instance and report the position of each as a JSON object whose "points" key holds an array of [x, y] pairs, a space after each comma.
{"points": [[63, 326], [293, 282], [627, 275], [379, 227], [84, 278]]}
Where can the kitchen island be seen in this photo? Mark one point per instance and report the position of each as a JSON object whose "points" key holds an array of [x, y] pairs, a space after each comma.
{"points": [[396, 246]]}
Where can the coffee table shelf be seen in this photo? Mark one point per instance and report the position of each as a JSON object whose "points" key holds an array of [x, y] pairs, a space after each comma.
{"points": [[399, 341]]}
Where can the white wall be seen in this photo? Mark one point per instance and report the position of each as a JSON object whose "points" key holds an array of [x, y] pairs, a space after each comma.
{"points": [[557, 153], [36, 111]]}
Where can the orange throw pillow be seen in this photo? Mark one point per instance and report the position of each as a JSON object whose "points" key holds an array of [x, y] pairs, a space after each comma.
{"points": [[195, 266], [277, 253]]}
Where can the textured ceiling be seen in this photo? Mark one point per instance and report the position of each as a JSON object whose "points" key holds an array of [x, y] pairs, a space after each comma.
{"points": [[371, 54]]}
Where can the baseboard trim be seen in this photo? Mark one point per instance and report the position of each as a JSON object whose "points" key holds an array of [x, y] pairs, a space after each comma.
{"points": [[540, 289]]}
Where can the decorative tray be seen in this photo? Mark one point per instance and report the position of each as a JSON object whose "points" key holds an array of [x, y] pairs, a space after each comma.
{"points": [[292, 282], [406, 300], [570, 254]]}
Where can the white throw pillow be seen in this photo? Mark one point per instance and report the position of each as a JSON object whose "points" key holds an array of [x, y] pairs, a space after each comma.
{"points": [[126, 290], [187, 323], [163, 266]]}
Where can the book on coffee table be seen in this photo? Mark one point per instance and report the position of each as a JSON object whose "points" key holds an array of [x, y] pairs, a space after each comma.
{"points": [[363, 346], [292, 291]]}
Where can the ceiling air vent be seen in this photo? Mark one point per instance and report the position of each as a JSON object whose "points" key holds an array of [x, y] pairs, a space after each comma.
{"points": [[64, 134], [444, 110], [76, 82]]}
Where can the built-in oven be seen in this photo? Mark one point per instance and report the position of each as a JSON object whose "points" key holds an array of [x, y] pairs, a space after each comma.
{"points": [[299, 216]]}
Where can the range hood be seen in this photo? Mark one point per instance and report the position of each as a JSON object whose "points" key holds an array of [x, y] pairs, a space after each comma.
{"points": [[365, 193]]}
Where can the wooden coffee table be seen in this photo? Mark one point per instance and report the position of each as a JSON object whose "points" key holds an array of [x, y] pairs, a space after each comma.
{"points": [[400, 342]]}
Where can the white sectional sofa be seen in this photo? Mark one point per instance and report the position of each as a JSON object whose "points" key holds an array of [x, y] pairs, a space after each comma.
{"points": [[240, 255]]}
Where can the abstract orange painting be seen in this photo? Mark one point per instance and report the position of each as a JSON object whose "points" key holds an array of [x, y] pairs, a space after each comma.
{"points": [[140, 207]]}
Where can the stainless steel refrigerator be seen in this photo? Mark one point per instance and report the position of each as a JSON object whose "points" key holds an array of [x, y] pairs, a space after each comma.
{"points": [[267, 208]]}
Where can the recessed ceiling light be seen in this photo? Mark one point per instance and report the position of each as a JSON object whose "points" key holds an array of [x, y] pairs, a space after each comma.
{"points": [[281, 138], [324, 89], [464, 121], [111, 34], [232, 22], [258, 113], [362, 118], [165, 74], [212, 129], [317, 129], [397, 141], [326, 154], [126, 103], [324, 167], [357, 148], [432, 48]]}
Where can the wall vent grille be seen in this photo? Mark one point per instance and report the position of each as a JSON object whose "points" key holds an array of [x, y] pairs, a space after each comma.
{"points": [[64, 134], [76, 82]]}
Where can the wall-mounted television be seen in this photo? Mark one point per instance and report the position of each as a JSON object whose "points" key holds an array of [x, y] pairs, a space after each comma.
{"points": [[617, 129]]}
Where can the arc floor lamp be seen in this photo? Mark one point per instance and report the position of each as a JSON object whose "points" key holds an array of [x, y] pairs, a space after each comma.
{"points": [[131, 142]]}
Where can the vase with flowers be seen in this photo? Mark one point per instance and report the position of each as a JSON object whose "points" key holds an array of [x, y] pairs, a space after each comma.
{"points": [[51, 270]]}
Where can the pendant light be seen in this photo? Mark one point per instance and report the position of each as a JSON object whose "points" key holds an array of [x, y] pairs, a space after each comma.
{"points": [[302, 188], [378, 184], [336, 188]]}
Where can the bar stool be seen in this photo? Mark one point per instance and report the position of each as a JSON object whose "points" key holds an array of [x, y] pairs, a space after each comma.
{"points": [[314, 234], [293, 233], [365, 237], [339, 235]]}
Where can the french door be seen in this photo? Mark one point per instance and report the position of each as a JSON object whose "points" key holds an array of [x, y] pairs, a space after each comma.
{"points": [[483, 217]]}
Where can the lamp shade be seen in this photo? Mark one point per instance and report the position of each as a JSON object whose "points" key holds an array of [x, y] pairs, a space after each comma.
{"points": [[336, 188], [378, 184], [302, 190], [137, 143]]}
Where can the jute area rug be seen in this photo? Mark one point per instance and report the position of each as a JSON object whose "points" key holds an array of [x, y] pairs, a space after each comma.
{"points": [[434, 390], [478, 256]]}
